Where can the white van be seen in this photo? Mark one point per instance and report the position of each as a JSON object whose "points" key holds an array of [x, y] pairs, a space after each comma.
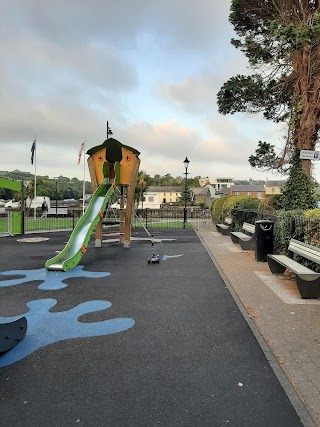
{"points": [[116, 205], [36, 203], [150, 201]]}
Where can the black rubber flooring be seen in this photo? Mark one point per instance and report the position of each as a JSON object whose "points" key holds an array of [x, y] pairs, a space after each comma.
{"points": [[189, 360]]}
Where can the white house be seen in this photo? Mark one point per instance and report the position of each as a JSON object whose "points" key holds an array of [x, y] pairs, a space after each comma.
{"points": [[220, 185]]}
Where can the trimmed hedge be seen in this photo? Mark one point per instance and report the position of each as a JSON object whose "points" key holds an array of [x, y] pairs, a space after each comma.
{"points": [[223, 207]]}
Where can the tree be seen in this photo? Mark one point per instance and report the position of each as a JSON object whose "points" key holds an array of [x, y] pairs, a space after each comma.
{"points": [[156, 179], [281, 39], [299, 190], [29, 194], [265, 158], [143, 181], [185, 194], [168, 180]]}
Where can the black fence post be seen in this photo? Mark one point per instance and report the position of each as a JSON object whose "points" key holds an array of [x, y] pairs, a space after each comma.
{"points": [[73, 219], [22, 209]]}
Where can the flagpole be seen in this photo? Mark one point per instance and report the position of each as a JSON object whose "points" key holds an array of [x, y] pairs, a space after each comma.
{"points": [[35, 178], [84, 171], [84, 176]]}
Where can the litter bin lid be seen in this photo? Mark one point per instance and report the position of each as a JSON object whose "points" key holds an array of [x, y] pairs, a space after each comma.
{"points": [[264, 221]]}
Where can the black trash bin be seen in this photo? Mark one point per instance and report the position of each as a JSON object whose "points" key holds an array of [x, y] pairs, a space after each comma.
{"points": [[263, 239]]}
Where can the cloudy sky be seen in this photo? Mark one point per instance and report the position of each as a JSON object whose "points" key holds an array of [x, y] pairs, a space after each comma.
{"points": [[151, 68]]}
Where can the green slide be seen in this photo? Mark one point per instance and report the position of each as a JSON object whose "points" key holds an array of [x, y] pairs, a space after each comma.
{"points": [[72, 253]]}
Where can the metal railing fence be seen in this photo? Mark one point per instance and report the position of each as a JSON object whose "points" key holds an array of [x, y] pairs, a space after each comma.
{"points": [[5, 223], [171, 217], [168, 217], [285, 227], [51, 222]]}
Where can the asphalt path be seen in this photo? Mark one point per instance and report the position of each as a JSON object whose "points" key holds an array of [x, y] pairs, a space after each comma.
{"points": [[190, 358]]}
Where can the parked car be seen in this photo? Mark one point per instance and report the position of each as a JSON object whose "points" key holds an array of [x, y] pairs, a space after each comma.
{"points": [[29, 203], [14, 204], [116, 205]]}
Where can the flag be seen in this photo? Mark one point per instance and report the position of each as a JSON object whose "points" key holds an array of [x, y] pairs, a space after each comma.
{"points": [[80, 153], [33, 149]]}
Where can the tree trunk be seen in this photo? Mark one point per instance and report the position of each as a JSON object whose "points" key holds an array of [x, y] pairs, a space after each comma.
{"points": [[307, 103]]}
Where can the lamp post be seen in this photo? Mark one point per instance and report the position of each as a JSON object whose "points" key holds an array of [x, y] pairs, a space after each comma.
{"points": [[186, 164]]}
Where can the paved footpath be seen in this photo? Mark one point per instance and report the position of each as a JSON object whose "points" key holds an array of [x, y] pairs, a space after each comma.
{"points": [[286, 326], [124, 343]]}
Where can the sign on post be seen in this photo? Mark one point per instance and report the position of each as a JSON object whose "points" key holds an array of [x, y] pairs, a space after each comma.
{"points": [[309, 155]]}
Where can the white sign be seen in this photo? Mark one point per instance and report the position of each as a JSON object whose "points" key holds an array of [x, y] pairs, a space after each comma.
{"points": [[309, 155]]}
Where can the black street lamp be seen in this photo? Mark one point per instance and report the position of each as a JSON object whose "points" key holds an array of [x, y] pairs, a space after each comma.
{"points": [[186, 164]]}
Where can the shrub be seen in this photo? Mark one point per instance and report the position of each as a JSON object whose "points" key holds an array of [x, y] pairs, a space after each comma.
{"points": [[216, 209], [248, 202], [271, 203], [223, 207], [311, 228], [312, 213]]}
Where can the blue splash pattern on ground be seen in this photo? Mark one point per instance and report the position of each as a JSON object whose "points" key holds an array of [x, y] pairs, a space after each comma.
{"points": [[52, 280], [166, 257], [46, 328]]}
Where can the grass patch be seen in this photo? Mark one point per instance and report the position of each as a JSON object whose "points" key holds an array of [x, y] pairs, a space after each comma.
{"points": [[68, 223], [160, 224], [3, 225], [50, 224]]}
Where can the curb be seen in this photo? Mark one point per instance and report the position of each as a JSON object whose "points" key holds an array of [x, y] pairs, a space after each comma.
{"points": [[283, 378]]}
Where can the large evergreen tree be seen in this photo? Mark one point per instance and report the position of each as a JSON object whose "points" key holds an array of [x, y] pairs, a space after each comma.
{"points": [[281, 39]]}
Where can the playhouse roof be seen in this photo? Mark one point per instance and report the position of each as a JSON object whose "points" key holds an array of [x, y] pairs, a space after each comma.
{"points": [[111, 144]]}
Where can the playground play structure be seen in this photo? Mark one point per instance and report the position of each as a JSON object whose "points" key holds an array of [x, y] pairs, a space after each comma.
{"points": [[113, 169], [16, 218]]}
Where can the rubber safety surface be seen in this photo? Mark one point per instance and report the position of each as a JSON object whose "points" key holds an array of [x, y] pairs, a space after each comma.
{"points": [[120, 342]]}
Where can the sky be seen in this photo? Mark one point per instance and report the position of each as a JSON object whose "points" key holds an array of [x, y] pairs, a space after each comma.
{"points": [[152, 69]]}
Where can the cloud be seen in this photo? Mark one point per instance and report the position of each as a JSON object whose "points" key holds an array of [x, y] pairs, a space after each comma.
{"points": [[197, 93], [152, 69], [189, 25]]}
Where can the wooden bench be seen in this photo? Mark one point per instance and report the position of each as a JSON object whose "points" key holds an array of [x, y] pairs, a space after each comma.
{"points": [[58, 211], [246, 241], [225, 228], [308, 281]]}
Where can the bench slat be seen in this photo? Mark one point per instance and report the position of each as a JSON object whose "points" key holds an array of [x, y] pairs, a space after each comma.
{"points": [[303, 249], [292, 264], [241, 235], [250, 228], [308, 281]]}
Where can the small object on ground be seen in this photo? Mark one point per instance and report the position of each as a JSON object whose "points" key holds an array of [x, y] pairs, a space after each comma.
{"points": [[154, 258]]}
